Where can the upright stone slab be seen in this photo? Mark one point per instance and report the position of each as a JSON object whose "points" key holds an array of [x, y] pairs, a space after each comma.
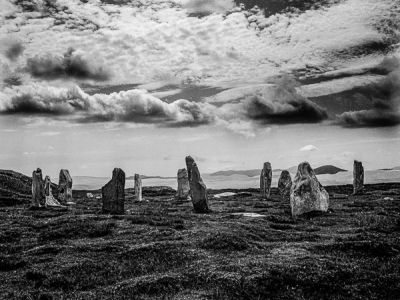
{"points": [[358, 178], [50, 200], [38, 196], [138, 187], [65, 187], [113, 193], [265, 180], [198, 189], [307, 194], [183, 185], [285, 184]]}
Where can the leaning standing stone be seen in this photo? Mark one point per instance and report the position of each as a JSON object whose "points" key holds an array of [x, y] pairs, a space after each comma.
{"points": [[113, 193], [265, 180], [307, 194], [65, 187], [358, 178], [38, 196], [198, 189], [183, 185], [138, 187], [50, 200], [284, 185]]}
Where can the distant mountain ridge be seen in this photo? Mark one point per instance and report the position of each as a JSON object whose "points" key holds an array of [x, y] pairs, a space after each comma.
{"points": [[322, 170]]}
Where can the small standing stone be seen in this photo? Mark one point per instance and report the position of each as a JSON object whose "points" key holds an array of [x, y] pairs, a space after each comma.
{"points": [[265, 180], [285, 184], [138, 187], [307, 194], [183, 185], [50, 200], [358, 178], [198, 189], [65, 187], [113, 193], [38, 196]]}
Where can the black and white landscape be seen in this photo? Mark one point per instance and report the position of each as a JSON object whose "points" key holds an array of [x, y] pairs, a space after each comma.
{"points": [[289, 110]]}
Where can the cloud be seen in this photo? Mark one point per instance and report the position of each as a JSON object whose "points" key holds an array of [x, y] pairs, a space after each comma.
{"points": [[14, 50], [71, 64], [386, 98], [136, 106], [308, 148], [206, 7]]}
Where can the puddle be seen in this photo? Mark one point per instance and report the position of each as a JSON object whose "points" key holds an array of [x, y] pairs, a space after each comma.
{"points": [[250, 215], [227, 194]]}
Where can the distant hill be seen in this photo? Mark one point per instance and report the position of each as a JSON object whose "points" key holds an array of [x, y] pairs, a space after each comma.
{"points": [[328, 169]]}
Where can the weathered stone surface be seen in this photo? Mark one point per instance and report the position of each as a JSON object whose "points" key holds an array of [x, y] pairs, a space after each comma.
{"points": [[285, 184], [183, 185], [113, 193], [265, 180], [358, 178], [307, 194], [38, 196], [198, 189], [50, 200], [138, 187], [65, 187]]}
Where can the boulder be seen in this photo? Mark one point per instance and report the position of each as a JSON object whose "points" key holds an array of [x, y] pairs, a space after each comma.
{"points": [[307, 194], [138, 187], [113, 193], [65, 187], [285, 184], [38, 196], [183, 185], [265, 180], [358, 178], [198, 190]]}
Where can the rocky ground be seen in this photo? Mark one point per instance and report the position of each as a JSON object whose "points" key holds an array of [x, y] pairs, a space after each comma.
{"points": [[161, 249]]}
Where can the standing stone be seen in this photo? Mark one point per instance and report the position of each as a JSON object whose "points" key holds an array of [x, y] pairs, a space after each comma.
{"points": [[38, 197], [284, 185], [50, 200], [183, 185], [113, 193], [198, 189], [65, 187], [138, 187], [358, 178], [307, 194], [265, 180]]}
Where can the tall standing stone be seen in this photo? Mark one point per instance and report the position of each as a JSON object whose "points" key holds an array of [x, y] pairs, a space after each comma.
{"points": [[307, 194], [65, 187], [113, 193], [138, 187], [285, 184], [183, 185], [265, 180], [358, 178], [198, 189], [38, 196]]}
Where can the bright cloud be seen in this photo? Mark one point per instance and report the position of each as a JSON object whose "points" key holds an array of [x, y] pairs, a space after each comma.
{"points": [[308, 148]]}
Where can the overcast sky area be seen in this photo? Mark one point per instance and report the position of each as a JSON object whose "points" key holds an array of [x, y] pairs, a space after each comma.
{"points": [[90, 85]]}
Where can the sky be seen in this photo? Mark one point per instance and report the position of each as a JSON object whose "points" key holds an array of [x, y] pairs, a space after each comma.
{"points": [[89, 85]]}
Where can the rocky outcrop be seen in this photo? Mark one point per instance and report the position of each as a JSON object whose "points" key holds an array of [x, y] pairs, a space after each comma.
{"points": [[65, 187], [198, 190], [284, 185], [138, 187], [307, 194], [38, 196], [183, 185], [113, 193], [358, 178], [265, 180]]}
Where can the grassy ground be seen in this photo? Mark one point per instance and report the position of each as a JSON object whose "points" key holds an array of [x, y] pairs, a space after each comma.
{"points": [[162, 250]]}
